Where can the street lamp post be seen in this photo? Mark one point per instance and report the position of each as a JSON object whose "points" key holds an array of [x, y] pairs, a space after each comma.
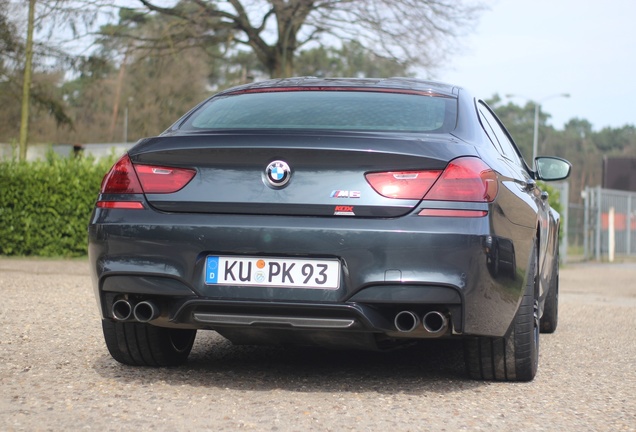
{"points": [[537, 108]]}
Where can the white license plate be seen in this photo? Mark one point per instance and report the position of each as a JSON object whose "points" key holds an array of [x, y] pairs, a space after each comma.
{"points": [[272, 272]]}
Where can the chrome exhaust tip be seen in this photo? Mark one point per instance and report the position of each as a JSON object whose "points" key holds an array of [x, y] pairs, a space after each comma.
{"points": [[406, 321], [435, 322], [146, 311], [121, 310]]}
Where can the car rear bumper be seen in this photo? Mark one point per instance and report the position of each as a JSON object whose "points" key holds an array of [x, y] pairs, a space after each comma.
{"points": [[461, 269]]}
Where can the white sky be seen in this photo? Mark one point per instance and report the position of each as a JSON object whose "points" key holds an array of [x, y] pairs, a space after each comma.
{"points": [[541, 48]]}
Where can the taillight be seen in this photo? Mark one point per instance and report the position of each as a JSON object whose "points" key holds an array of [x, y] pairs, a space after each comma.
{"points": [[465, 179], [126, 178], [121, 179], [161, 180], [403, 184]]}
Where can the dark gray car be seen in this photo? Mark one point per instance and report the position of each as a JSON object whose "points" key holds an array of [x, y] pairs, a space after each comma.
{"points": [[355, 213]]}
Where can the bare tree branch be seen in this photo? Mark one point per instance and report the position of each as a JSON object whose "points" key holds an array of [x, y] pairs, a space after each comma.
{"points": [[415, 31]]}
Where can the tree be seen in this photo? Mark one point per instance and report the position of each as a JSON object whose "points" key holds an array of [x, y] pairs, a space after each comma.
{"points": [[519, 120], [610, 139], [352, 59], [8, 38], [129, 87], [411, 32], [33, 63], [26, 85]]}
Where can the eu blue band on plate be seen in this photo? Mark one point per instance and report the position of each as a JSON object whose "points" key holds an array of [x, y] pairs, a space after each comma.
{"points": [[211, 270]]}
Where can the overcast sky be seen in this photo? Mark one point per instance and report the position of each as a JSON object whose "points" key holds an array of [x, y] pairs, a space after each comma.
{"points": [[541, 48]]}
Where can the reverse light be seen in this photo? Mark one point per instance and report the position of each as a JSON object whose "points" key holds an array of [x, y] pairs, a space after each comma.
{"points": [[403, 184], [161, 180]]}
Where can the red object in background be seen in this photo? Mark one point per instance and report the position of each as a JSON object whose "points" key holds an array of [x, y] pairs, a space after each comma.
{"points": [[620, 222]]}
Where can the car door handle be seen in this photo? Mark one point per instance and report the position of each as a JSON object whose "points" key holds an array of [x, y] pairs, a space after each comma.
{"points": [[530, 185]]}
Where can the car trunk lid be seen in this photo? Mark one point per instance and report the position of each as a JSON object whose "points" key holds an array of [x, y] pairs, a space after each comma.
{"points": [[242, 173]]}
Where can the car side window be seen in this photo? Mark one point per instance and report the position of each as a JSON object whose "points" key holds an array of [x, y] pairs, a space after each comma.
{"points": [[507, 148], [491, 134]]}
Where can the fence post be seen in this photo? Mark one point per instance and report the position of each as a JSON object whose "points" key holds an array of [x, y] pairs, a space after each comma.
{"points": [[628, 219], [565, 219], [587, 253], [599, 223], [611, 234]]}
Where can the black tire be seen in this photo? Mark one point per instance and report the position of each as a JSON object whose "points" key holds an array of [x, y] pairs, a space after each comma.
{"points": [[514, 357], [550, 317], [138, 344]]}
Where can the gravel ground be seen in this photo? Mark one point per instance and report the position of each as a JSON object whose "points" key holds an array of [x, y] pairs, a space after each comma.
{"points": [[55, 372]]}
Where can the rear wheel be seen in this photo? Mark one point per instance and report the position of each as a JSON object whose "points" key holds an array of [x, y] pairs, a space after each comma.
{"points": [[140, 344], [550, 317], [514, 357]]}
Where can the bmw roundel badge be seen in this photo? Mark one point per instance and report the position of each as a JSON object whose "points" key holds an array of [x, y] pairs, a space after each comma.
{"points": [[278, 173]]}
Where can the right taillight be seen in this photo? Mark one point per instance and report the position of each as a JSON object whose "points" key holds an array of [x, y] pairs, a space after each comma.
{"points": [[465, 179], [402, 184]]}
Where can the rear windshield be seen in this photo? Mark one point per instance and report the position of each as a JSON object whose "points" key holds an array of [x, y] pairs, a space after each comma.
{"points": [[341, 110]]}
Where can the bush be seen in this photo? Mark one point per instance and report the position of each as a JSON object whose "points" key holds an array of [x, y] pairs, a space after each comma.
{"points": [[45, 205]]}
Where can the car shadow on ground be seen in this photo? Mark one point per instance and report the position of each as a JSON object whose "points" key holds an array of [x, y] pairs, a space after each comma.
{"points": [[431, 366]]}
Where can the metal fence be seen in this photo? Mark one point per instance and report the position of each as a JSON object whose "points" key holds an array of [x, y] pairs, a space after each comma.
{"points": [[601, 228], [609, 223]]}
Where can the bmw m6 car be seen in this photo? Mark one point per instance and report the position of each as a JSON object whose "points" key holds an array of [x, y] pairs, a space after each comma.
{"points": [[343, 213]]}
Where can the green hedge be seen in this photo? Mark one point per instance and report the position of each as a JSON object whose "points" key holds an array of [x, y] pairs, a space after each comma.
{"points": [[45, 205]]}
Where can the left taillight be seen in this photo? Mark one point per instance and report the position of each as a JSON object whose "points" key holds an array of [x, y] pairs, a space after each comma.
{"points": [[163, 180], [121, 179], [127, 178]]}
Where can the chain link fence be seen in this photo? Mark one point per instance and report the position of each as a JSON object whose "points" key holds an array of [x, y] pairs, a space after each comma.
{"points": [[602, 228], [609, 223]]}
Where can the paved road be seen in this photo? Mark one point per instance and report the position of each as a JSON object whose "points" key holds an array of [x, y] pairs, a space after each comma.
{"points": [[56, 374]]}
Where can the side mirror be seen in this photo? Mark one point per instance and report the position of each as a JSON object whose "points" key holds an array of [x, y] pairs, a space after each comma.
{"points": [[552, 168]]}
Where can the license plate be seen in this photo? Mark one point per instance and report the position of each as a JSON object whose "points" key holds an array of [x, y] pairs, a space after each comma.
{"points": [[272, 272]]}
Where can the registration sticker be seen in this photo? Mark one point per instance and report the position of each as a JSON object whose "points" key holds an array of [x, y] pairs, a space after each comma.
{"points": [[272, 272]]}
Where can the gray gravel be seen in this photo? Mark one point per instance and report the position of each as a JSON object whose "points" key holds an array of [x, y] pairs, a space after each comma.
{"points": [[55, 372]]}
